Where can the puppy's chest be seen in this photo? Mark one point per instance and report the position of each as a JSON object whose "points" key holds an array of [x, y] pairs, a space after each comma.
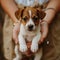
{"points": [[29, 37]]}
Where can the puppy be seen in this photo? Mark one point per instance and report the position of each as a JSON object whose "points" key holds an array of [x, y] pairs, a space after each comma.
{"points": [[29, 31]]}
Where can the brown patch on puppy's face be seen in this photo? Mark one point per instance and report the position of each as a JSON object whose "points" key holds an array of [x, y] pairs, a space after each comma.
{"points": [[30, 17]]}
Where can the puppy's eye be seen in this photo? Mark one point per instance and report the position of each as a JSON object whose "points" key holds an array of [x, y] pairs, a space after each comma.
{"points": [[24, 18], [35, 18]]}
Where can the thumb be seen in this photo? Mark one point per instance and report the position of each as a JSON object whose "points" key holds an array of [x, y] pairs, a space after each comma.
{"points": [[44, 32], [15, 37]]}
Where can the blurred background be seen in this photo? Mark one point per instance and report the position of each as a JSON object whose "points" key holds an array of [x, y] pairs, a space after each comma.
{"points": [[1, 33]]}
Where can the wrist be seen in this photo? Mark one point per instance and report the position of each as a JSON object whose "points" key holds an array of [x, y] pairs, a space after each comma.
{"points": [[45, 23], [50, 13], [52, 9]]}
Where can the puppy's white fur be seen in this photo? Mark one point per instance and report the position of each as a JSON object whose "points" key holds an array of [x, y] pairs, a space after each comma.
{"points": [[33, 36]]}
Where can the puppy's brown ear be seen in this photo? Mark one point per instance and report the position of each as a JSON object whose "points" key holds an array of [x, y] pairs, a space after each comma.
{"points": [[41, 13], [18, 13]]}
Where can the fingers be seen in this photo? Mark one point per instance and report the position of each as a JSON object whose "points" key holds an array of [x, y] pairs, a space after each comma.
{"points": [[16, 30], [44, 32], [15, 36]]}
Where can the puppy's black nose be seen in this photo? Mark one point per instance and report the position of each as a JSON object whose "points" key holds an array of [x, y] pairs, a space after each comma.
{"points": [[30, 27]]}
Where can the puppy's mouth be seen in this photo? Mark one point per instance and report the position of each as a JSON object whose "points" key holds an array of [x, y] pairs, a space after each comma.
{"points": [[30, 30]]}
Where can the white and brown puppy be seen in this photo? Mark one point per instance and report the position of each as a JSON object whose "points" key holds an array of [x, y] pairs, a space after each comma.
{"points": [[29, 31]]}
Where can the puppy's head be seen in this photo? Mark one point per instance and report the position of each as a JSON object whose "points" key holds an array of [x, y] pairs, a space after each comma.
{"points": [[30, 17]]}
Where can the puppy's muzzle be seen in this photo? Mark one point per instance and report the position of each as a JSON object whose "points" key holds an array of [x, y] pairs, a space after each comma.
{"points": [[30, 27]]}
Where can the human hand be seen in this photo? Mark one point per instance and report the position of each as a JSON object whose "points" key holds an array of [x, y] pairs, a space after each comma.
{"points": [[44, 31], [16, 30]]}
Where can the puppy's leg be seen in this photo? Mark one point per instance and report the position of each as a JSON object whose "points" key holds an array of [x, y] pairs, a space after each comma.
{"points": [[38, 55], [22, 43], [18, 54], [34, 46]]}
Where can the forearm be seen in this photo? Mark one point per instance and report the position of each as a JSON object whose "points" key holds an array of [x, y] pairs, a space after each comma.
{"points": [[9, 7], [50, 13]]}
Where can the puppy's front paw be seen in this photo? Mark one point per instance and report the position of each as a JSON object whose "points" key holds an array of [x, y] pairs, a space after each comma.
{"points": [[23, 48], [34, 47]]}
